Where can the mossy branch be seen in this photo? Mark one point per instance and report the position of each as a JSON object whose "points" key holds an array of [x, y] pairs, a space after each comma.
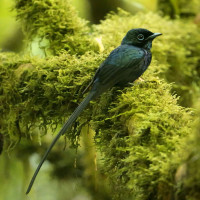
{"points": [[138, 129], [38, 92], [137, 133]]}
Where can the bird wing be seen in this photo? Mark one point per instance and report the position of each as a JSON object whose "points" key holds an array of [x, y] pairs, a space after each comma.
{"points": [[121, 61], [124, 59]]}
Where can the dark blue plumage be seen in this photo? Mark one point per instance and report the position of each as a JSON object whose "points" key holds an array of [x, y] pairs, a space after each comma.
{"points": [[125, 64], [120, 70]]}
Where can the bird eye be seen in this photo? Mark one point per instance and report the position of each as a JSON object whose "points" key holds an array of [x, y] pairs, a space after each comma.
{"points": [[140, 37]]}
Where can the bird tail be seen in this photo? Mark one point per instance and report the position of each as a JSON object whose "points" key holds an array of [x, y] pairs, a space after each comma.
{"points": [[67, 125]]}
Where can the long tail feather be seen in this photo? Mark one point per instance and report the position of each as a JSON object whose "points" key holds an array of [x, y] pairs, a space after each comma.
{"points": [[67, 125]]}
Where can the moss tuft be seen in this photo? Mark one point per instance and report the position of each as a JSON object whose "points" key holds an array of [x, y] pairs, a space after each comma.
{"points": [[56, 22]]}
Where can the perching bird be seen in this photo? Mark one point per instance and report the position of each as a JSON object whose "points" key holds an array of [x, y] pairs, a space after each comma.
{"points": [[125, 64]]}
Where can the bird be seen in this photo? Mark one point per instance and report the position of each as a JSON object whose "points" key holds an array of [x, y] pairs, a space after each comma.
{"points": [[124, 65]]}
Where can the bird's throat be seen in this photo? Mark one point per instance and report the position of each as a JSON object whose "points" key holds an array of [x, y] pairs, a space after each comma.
{"points": [[148, 45]]}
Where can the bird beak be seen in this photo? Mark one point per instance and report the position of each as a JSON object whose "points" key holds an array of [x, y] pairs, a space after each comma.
{"points": [[151, 37]]}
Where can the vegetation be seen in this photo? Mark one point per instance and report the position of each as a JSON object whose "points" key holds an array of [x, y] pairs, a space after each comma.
{"points": [[144, 135]]}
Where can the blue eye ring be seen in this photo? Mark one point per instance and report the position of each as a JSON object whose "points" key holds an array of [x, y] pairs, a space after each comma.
{"points": [[140, 37]]}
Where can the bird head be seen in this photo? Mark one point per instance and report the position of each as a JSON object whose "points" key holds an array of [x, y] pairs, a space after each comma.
{"points": [[140, 37]]}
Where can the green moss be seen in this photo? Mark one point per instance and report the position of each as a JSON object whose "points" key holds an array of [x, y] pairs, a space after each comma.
{"points": [[187, 174], [55, 21], [139, 129], [143, 128], [41, 92]]}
